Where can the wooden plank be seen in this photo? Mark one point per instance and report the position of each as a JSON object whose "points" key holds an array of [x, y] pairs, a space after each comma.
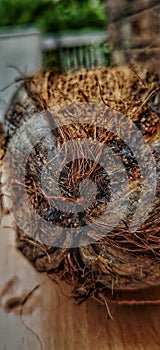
{"points": [[50, 319]]}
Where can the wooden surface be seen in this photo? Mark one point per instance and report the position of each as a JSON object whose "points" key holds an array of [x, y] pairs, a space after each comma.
{"points": [[49, 319]]}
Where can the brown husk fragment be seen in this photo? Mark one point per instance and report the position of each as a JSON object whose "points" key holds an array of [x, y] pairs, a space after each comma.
{"points": [[121, 260]]}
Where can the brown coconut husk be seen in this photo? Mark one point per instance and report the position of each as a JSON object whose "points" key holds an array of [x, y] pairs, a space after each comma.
{"points": [[120, 260]]}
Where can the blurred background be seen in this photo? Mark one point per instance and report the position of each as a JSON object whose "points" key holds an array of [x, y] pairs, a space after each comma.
{"points": [[73, 31], [54, 16], [62, 34], [71, 34]]}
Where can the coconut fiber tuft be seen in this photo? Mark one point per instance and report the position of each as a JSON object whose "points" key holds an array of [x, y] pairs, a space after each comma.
{"points": [[75, 107]]}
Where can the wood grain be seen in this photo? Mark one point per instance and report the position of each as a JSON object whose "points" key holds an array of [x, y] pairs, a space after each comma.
{"points": [[49, 319]]}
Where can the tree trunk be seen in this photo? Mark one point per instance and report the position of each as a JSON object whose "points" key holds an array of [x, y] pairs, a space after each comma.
{"points": [[134, 28]]}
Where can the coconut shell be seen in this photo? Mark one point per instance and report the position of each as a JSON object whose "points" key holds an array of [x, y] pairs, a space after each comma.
{"points": [[104, 259]]}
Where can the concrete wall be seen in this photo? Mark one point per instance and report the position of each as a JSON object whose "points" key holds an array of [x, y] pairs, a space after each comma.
{"points": [[20, 56]]}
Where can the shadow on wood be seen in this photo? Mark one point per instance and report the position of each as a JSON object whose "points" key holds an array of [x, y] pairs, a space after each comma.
{"points": [[49, 318]]}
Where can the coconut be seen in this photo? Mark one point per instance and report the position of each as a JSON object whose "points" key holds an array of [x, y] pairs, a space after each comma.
{"points": [[82, 163]]}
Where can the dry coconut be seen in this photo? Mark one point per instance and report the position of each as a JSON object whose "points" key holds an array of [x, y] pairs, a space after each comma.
{"points": [[85, 201]]}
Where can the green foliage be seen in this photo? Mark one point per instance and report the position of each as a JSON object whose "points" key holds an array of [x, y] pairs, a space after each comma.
{"points": [[53, 15]]}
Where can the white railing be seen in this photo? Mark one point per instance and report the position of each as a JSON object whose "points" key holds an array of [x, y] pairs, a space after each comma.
{"points": [[21, 55], [78, 50]]}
